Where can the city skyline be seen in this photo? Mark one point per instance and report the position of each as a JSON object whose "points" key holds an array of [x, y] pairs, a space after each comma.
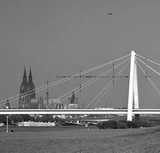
{"points": [[58, 38]]}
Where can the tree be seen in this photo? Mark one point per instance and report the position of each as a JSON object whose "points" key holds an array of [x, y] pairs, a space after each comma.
{"points": [[3, 119], [15, 118], [47, 118], [58, 119], [26, 117], [38, 119]]}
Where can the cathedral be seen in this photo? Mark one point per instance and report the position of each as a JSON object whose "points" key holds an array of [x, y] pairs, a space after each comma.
{"points": [[27, 90]]}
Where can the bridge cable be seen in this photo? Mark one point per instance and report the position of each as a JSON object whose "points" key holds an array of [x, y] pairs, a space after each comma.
{"points": [[107, 85], [77, 87], [148, 60], [65, 79], [110, 85], [150, 80], [92, 80], [148, 66]]}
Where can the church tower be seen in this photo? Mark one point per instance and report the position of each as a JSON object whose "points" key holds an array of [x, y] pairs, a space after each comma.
{"points": [[23, 98], [27, 90], [72, 98], [31, 87]]}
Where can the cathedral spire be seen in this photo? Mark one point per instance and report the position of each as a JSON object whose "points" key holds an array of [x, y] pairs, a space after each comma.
{"points": [[23, 98], [31, 87], [24, 81], [30, 81]]}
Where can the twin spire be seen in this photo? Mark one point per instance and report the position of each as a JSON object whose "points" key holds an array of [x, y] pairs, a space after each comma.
{"points": [[30, 80], [27, 90]]}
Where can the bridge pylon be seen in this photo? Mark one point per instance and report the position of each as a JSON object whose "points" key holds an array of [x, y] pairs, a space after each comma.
{"points": [[133, 96]]}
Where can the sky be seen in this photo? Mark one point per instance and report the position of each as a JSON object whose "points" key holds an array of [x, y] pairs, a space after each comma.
{"points": [[62, 37]]}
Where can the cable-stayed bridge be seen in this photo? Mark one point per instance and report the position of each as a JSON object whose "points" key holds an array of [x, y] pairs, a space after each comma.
{"points": [[133, 95], [78, 111]]}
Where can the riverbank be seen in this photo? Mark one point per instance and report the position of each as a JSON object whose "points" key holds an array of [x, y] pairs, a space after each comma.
{"points": [[86, 140]]}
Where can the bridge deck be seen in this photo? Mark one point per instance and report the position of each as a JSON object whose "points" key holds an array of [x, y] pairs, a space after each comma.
{"points": [[77, 111]]}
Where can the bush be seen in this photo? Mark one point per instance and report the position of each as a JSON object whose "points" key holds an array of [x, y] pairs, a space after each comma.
{"points": [[137, 124], [121, 125], [147, 124], [132, 124], [111, 124], [100, 125]]}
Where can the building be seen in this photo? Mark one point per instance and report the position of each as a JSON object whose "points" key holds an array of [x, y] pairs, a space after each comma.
{"points": [[73, 102], [27, 90], [46, 103], [34, 104], [27, 97], [50, 104]]}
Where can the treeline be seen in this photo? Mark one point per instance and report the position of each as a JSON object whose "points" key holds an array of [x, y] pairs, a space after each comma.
{"points": [[123, 124], [14, 118]]}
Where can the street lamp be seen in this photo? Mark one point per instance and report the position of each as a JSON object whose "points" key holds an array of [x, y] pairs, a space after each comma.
{"points": [[7, 106], [7, 125]]}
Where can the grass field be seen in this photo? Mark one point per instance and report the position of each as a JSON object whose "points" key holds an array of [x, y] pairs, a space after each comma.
{"points": [[80, 139]]}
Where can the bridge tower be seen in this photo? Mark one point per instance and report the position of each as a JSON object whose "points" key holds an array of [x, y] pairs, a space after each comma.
{"points": [[133, 96]]}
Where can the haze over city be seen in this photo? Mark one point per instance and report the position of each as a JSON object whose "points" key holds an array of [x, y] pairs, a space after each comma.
{"points": [[58, 38]]}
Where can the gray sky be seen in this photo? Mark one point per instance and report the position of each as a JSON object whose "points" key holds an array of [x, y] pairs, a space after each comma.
{"points": [[61, 37]]}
